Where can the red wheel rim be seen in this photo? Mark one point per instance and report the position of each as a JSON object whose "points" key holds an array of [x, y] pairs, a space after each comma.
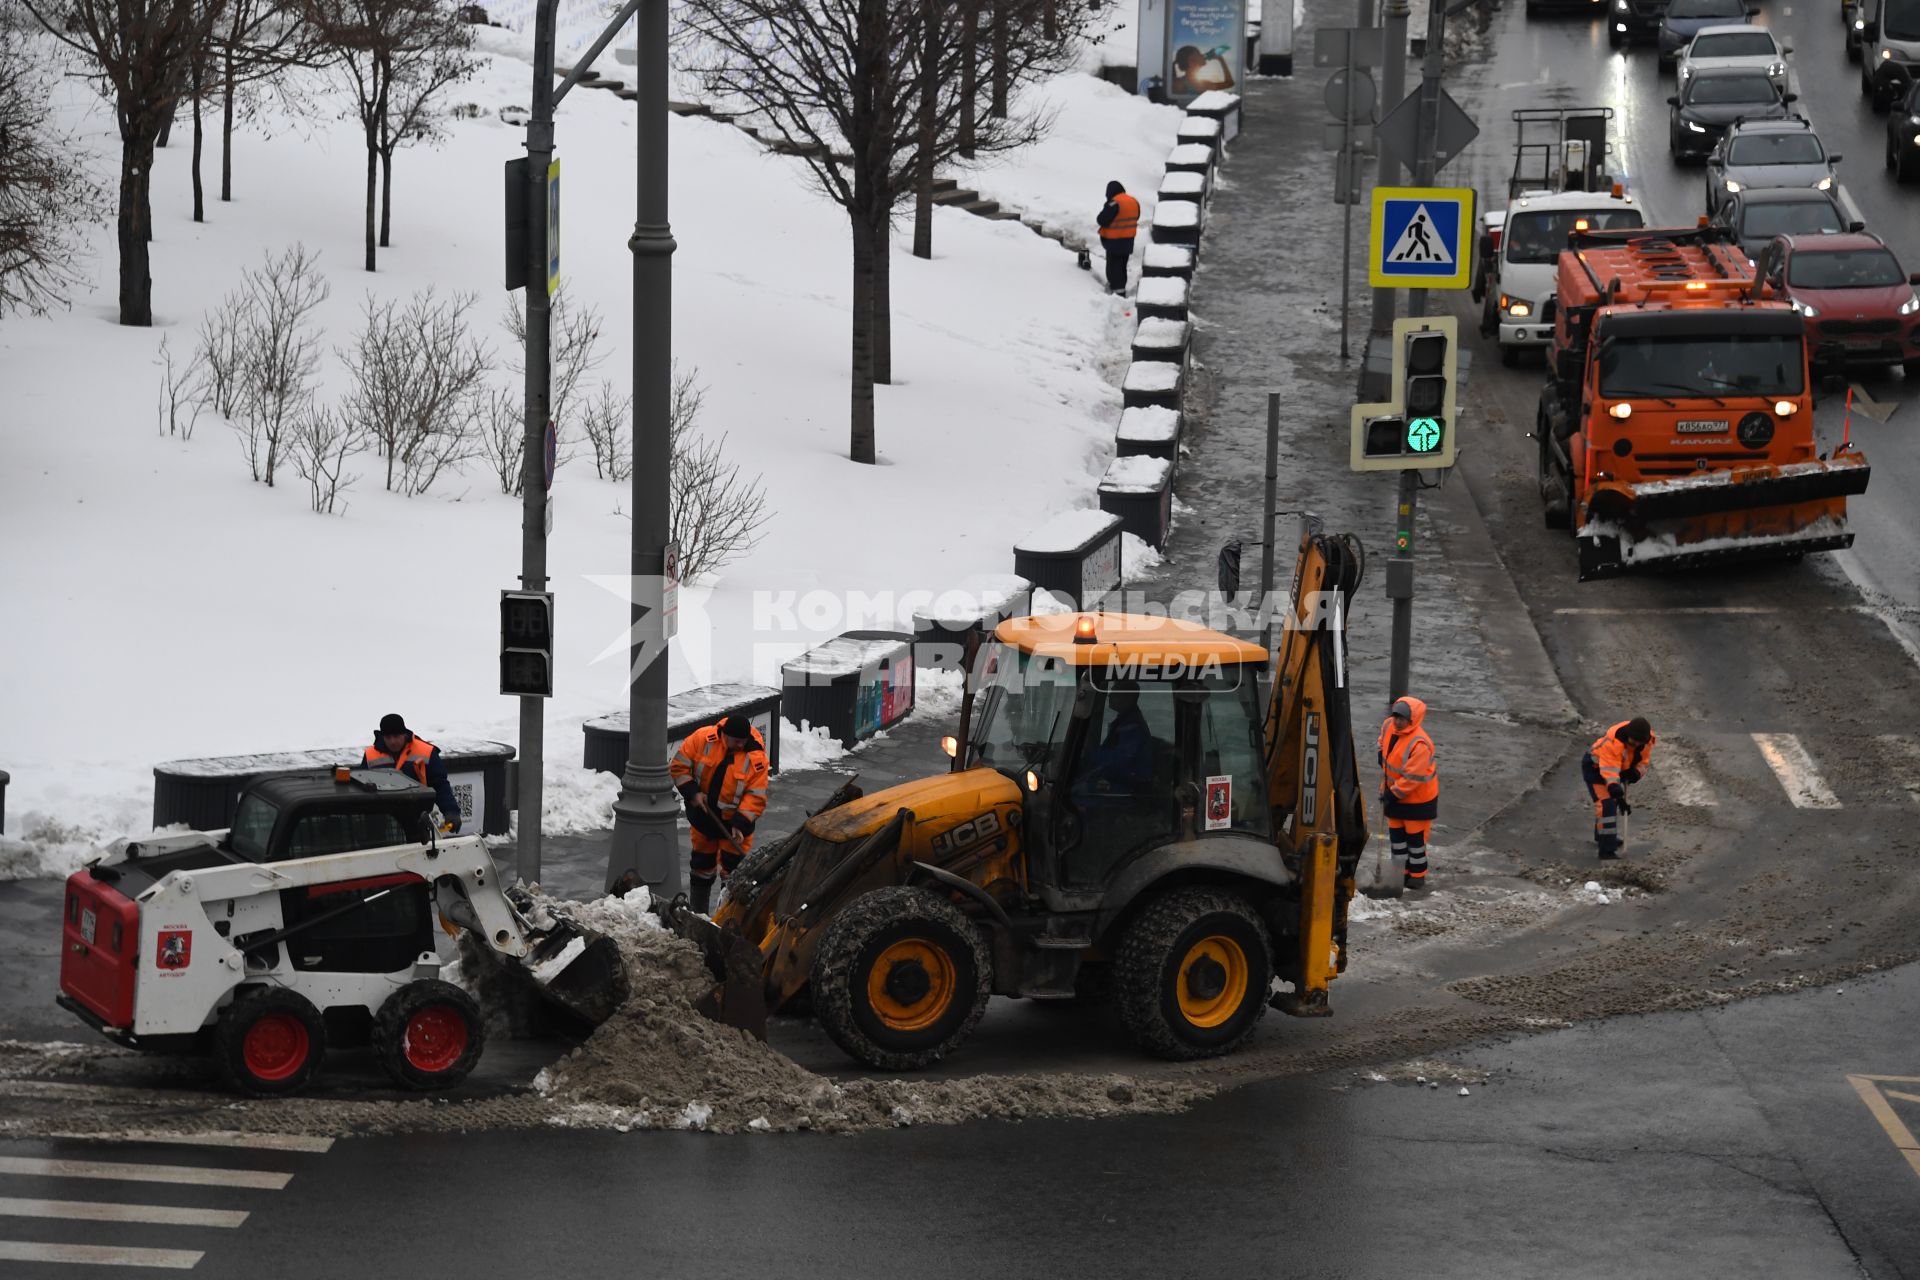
{"points": [[275, 1046], [435, 1038]]}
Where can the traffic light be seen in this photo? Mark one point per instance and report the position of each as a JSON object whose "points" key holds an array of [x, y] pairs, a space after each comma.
{"points": [[1416, 429], [526, 644]]}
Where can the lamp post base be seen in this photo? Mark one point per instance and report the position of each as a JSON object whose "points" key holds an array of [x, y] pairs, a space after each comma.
{"points": [[646, 836]]}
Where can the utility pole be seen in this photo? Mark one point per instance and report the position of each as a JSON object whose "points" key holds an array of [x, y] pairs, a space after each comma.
{"points": [[1425, 166], [533, 470], [646, 840], [1393, 87]]}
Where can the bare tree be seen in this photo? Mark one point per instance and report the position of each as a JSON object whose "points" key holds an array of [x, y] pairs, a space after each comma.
{"points": [[716, 514], [392, 55], [279, 354], [320, 443], [218, 353], [503, 438], [255, 43], [181, 397], [45, 197], [418, 386], [412, 113], [604, 420], [140, 50], [574, 351], [840, 83]]}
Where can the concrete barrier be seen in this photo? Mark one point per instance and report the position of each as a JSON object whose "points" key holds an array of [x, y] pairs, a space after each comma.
{"points": [[608, 741], [1163, 340], [1217, 104], [1139, 490], [1075, 555], [1204, 131], [1167, 261], [1162, 298], [1191, 157], [1180, 185], [1178, 222], [854, 685], [1152, 432], [203, 793], [1151, 382], [971, 608]]}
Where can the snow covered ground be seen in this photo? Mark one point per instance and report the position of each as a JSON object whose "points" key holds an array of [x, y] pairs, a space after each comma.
{"points": [[164, 605]]}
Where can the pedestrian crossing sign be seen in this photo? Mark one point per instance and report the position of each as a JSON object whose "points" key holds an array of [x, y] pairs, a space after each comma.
{"points": [[1420, 238]]}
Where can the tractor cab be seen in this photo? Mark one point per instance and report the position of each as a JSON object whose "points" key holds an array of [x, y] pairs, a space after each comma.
{"points": [[1126, 733]]}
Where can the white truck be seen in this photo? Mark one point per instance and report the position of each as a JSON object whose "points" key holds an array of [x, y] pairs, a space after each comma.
{"points": [[1560, 185]]}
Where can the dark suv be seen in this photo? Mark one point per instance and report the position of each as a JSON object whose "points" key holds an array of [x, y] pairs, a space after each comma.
{"points": [[1756, 217], [1903, 137]]}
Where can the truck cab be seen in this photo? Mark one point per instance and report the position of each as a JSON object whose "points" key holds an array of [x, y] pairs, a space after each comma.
{"points": [[1560, 185]]}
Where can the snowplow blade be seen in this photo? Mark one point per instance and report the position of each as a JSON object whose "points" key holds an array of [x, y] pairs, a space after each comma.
{"points": [[1719, 517]]}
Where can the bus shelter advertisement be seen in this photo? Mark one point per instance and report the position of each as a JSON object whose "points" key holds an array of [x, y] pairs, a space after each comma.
{"points": [[1205, 47]]}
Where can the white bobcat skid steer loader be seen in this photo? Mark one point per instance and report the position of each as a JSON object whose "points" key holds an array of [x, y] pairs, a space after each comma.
{"points": [[269, 942]]}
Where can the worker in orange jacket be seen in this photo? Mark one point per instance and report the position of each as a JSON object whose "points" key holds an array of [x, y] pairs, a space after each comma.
{"points": [[1119, 222], [721, 772], [395, 746], [1612, 764], [1409, 787]]}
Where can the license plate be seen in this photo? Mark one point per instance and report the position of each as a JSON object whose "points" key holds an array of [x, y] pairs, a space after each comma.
{"points": [[88, 923], [1701, 427]]}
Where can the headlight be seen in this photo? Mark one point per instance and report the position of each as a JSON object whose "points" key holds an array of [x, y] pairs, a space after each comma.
{"points": [[1806, 309], [1859, 24], [1621, 411], [1825, 184], [1620, 6], [1911, 305], [1733, 187], [1783, 407], [1697, 128], [1885, 54], [1777, 69], [1519, 311]]}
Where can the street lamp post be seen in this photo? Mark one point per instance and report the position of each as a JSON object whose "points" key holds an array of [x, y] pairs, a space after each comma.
{"points": [[646, 841]]}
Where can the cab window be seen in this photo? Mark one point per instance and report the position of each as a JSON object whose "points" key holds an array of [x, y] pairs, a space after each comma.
{"points": [[316, 834], [253, 828]]}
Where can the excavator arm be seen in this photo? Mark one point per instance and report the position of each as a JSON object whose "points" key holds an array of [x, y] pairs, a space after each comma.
{"points": [[1313, 779]]}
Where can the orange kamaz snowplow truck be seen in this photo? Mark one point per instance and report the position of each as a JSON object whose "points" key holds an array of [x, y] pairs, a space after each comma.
{"points": [[1676, 426]]}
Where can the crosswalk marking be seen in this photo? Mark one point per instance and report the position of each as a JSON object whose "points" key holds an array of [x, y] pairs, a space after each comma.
{"points": [[92, 1211], [115, 1171], [212, 1138], [1908, 750], [1795, 769], [100, 1255], [1679, 769]]}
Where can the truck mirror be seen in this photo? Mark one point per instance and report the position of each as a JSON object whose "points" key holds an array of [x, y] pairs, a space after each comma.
{"points": [[1914, 278], [1230, 568], [1856, 226], [1835, 159], [1791, 97]]}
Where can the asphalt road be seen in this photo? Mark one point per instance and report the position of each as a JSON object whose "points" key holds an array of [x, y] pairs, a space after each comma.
{"points": [[1762, 1141]]}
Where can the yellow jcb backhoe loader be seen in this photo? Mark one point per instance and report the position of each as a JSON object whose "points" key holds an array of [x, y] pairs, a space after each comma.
{"points": [[1120, 817]]}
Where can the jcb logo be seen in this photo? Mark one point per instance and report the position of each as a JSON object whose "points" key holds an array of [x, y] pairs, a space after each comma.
{"points": [[1310, 770], [967, 834]]}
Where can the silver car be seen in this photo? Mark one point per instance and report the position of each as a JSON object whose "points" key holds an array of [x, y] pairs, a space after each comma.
{"points": [[1745, 45], [1767, 153]]}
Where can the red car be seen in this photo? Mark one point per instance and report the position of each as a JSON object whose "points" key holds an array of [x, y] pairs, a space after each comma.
{"points": [[1859, 305]]}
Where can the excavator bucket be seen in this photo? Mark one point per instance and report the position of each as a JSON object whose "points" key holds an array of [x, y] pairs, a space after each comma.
{"points": [[1750, 513]]}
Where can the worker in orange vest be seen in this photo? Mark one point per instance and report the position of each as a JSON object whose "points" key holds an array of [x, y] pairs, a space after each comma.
{"points": [[721, 771], [1409, 787], [1119, 220], [396, 747], [1612, 764]]}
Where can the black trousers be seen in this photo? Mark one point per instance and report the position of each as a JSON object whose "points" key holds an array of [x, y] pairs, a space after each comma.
{"points": [[1118, 251]]}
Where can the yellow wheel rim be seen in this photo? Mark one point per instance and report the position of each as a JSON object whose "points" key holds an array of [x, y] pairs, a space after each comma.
{"points": [[911, 985], [1213, 981]]}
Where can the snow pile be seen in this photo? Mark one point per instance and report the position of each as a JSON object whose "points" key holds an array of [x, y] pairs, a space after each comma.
{"points": [[1149, 424], [658, 1063], [1153, 376], [1162, 291], [575, 799], [1160, 334], [802, 746], [1136, 473], [1069, 531]]}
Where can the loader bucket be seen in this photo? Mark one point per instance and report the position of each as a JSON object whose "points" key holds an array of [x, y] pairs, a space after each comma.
{"points": [[591, 985], [740, 999], [1719, 517]]}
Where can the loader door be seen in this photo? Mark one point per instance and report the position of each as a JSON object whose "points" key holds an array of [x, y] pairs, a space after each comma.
{"points": [[1119, 795], [385, 935]]}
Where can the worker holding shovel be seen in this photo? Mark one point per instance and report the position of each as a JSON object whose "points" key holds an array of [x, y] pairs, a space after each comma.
{"points": [[721, 772], [1612, 764]]}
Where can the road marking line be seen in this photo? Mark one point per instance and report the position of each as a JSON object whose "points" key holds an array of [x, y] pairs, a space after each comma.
{"points": [[1795, 769], [113, 1171], [1679, 770], [1602, 611], [1902, 1136], [100, 1255], [94, 1211], [212, 1138], [1909, 750]]}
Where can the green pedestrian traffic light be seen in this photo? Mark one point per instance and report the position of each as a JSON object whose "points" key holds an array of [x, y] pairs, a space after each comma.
{"points": [[1415, 430]]}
